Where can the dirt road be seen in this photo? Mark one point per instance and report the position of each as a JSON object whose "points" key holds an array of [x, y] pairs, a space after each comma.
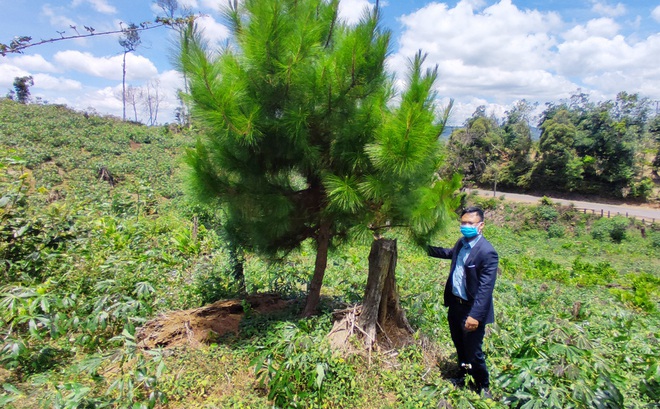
{"points": [[639, 212]]}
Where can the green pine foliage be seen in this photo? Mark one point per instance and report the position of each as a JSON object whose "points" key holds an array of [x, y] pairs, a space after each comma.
{"points": [[284, 115], [300, 135], [298, 131]]}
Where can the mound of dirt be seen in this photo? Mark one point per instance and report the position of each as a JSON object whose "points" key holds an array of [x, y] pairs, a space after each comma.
{"points": [[203, 325]]}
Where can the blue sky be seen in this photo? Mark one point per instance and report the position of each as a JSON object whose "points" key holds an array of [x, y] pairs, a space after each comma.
{"points": [[490, 53]]}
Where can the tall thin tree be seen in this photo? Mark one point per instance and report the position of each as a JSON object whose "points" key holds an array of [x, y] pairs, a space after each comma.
{"points": [[129, 41]]}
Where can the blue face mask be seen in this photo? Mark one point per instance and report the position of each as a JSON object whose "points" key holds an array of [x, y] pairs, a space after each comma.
{"points": [[469, 231]]}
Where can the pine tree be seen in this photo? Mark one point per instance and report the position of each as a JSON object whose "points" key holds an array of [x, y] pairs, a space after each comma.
{"points": [[129, 41], [299, 140]]}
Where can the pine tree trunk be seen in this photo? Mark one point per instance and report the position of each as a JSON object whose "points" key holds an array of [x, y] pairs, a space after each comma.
{"points": [[381, 297], [237, 266], [314, 294]]}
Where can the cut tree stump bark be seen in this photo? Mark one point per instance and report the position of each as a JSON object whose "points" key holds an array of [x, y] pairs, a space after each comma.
{"points": [[381, 297]]}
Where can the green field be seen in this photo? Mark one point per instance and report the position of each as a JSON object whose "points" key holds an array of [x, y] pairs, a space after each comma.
{"points": [[85, 262]]}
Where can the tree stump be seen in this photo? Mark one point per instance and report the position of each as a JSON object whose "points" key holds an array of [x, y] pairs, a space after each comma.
{"points": [[381, 297], [105, 175]]}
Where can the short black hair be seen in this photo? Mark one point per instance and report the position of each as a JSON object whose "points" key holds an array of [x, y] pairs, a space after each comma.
{"points": [[474, 209]]}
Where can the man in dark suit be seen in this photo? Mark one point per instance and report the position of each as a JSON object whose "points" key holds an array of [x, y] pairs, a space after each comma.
{"points": [[469, 295]]}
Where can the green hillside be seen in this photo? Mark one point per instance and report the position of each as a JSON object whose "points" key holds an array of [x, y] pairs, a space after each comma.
{"points": [[65, 150], [87, 257]]}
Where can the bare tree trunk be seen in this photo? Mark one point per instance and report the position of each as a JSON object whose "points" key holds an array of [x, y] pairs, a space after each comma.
{"points": [[381, 297], [314, 294], [157, 102], [134, 103], [123, 87]]}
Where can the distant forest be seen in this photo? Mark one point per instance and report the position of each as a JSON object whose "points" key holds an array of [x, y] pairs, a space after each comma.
{"points": [[609, 148]]}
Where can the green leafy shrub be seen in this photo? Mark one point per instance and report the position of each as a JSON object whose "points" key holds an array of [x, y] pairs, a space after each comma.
{"points": [[651, 384], [610, 229], [584, 273], [654, 237], [556, 231], [642, 189], [644, 292], [31, 230], [545, 213], [294, 365], [547, 269], [213, 280], [546, 201], [486, 203]]}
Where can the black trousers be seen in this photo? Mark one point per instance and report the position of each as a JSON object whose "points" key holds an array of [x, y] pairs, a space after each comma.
{"points": [[468, 345]]}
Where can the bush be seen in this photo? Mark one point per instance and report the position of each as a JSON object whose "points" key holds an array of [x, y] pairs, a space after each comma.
{"points": [[645, 289], [556, 231], [655, 239], [614, 229], [585, 273], [546, 201], [548, 269], [642, 189], [545, 213], [489, 203]]}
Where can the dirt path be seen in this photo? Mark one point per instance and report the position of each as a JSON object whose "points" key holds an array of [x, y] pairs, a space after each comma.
{"points": [[639, 212]]}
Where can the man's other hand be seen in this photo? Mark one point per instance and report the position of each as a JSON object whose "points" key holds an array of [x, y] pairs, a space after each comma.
{"points": [[471, 324]]}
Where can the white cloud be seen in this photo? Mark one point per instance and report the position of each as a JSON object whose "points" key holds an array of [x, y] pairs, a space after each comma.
{"points": [[56, 20], [616, 66], [607, 10], [594, 54], [351, 10], [656, 14], [33, 63], [103, 100], [171, 80], [189, 4], [48, 82], [475, 3], [7, 74], [602, 27], [101, 6], [500, 35], [137, 67], [482, 52], [597, 57], [214, 32], [214, 4]]}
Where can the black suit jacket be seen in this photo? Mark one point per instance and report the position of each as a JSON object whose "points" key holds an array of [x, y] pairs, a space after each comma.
{"points": [[480, 276]]}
